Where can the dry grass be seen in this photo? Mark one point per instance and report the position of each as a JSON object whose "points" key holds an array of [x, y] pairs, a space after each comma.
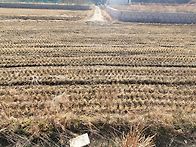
{"points": [[135, 138], [62, 78], [43, 14]]}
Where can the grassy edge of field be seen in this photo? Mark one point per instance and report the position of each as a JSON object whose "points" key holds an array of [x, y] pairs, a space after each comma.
{"points": [[155, 128]]}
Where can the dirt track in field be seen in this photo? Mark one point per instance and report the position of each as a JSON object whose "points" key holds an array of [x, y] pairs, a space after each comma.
{"points": [[97, 16]]}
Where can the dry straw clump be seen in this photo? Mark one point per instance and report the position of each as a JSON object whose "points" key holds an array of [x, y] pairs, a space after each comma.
{"points": [[137, 138]]}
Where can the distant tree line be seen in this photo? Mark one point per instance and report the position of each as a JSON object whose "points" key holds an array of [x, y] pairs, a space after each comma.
{"points": [[51, 1], [102, 1], [44, 1], [147, 1], [97, 2], [75, 1]]}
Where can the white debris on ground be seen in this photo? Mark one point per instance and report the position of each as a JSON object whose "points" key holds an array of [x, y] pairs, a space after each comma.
{"points": [[80, 141]]}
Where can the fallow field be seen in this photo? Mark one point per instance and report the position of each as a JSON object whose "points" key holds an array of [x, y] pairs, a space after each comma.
{"points": [[63, 77]]}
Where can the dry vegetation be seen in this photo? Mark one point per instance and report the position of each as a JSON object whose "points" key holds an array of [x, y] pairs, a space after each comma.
{"points": [[61, 78], [191, 8], [40, 14]]}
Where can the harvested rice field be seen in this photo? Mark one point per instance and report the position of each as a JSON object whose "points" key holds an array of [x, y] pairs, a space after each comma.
{"points": [[63, 77], [42, 14]]}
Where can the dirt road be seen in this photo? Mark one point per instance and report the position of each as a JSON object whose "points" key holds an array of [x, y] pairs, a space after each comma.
{"points": [[97, 16]]}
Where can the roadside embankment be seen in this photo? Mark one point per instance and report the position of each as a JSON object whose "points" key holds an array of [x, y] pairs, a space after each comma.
{"points": [[151, 17]]}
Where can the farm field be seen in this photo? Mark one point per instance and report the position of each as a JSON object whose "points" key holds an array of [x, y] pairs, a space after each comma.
{"points": [[42, 14], [61, 77]]}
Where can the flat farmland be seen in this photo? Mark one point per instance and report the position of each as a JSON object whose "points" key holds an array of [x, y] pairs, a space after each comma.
{"points": [[67, 75], [42, 14]]}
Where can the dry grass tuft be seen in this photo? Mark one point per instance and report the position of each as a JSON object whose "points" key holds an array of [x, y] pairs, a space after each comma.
{"points": [[136, 138]]}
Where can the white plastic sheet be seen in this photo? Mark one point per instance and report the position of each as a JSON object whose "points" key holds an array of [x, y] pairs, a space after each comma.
{"points": [[80, 141]]}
